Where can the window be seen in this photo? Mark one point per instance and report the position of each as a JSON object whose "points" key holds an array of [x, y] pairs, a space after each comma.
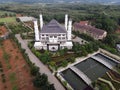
{"points": [[47, 38], [63, 38], [55, 36], [43, 38], [59, 38], [51, 36], [42, 34]]}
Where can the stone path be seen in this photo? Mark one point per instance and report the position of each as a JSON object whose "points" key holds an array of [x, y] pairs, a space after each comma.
{"points": [[38, 63]]}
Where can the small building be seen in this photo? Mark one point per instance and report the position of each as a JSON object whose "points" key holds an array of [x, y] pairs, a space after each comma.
{"points": [[118, 47], [53, 36], [97, 34], [25, 19], [84, 22]]}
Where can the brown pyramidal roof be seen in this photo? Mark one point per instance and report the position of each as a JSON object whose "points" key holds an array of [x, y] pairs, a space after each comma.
{"points": [[53, 27]]}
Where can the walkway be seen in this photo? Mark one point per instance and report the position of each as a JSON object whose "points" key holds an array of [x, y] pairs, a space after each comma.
{"points": [[81, 75], [108, 65], [43, 69], [108, 82]]}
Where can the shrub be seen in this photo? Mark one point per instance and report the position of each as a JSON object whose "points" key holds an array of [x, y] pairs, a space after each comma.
{"points": [[34, 70], [40, 80], [64, 63], [3, 80]]}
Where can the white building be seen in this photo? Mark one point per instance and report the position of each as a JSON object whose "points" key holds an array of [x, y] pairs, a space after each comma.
{"points": [[25, 18], [53, 36], [118, 47]]}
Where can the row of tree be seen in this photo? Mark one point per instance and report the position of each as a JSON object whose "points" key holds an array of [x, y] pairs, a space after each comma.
{"points": [[7, 15], [40, 80], [105, 22]]}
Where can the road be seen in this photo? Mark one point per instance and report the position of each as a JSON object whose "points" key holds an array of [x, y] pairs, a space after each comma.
{"points": [[43, 69]]}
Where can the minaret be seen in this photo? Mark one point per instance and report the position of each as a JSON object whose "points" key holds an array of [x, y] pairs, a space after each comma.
{"points": [[69, 32], [36, 30], [41, 21], [66, 21]]}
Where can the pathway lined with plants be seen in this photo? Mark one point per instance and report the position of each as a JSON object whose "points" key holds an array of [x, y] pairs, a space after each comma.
{"points": [[108, 82], [38, 63]]}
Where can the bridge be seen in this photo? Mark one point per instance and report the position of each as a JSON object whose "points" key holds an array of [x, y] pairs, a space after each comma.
{"points": [[81, 75], [108, 65]]}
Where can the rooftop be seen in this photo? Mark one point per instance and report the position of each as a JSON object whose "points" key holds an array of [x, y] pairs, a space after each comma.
{"points": [[118, 45], [26, 18], [89, 28], [53, 27], [84, 22]]}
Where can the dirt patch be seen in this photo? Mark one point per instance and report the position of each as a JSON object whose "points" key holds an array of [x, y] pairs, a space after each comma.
{"points": [[15, 69], [3, 30]]}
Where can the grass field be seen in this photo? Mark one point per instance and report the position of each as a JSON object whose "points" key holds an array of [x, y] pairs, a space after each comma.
{"points": [[7, 12], [8, 19]]}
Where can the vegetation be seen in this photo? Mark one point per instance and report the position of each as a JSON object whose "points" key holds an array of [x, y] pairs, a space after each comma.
{"points": [[8, 19], [40, 80], [12, 78], [105, 22], [4, 14], [58, 59], [18, 28], [76, 11], [28, 36], [109, 43], [6, 57], [61, 58], [103, 17]]}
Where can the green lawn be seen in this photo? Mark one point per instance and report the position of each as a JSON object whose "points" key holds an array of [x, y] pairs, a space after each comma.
{"points": [[8, 19], [5, 12]]}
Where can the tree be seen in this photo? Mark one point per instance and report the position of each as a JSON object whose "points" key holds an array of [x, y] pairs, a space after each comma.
{"points": [[111, 40], [40, 80], [1, 41], [46, 57], [106, 23], [34, 70], [48, 87]]}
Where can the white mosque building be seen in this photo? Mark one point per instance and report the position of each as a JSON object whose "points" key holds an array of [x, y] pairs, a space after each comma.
{"points": [[53, 36]]}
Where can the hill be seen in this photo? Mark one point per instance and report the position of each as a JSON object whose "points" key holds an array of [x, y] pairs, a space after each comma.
{"points": [[63, 1]]}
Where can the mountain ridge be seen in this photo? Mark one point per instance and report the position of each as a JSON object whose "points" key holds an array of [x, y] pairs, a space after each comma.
{"points": [[63, 1]]}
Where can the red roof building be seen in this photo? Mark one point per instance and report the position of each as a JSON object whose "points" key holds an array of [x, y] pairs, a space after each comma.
{"points": [[84, 23], [97, 34]]}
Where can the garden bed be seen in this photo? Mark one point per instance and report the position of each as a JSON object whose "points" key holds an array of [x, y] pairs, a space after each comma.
{"points": [[115, 84]]}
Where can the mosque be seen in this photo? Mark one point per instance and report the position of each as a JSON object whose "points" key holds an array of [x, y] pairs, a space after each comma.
{"points": [[53, 36]]}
